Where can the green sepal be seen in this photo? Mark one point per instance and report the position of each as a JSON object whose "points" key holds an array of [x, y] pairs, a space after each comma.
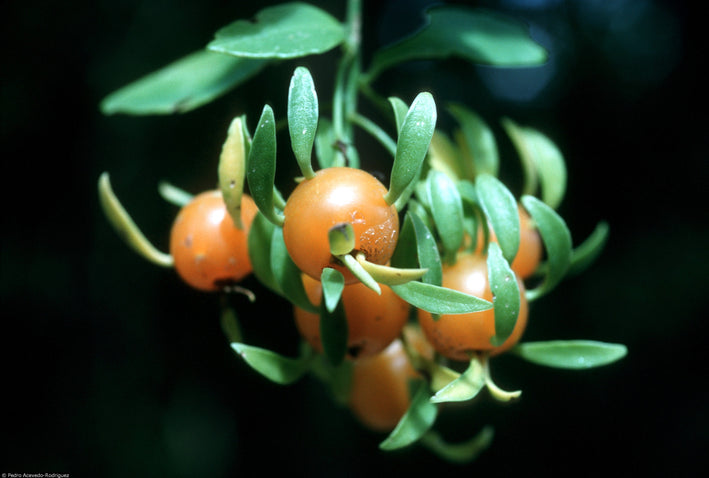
{"points": [[289, 30], [478, 144], [505, 292], [275, 367], [261, 166], [465, 387], [557, 242], [417, 420], [501, 210], [414, 138], [303, 118], [126, 228], [588, 251], [439, 300], [459, 453], [570, 354], [447, 212], [183, 85], [476, 35]]}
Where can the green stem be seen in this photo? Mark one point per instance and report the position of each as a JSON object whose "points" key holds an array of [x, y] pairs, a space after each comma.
{"points": [[376, 131]]}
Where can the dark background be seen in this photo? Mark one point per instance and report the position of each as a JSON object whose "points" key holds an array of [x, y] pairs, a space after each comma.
{"points": [[112, 367]]}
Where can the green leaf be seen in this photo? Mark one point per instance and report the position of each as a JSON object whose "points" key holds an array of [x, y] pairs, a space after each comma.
{"points": [[417, 242], [259, 243], [414, 138], [325, 144], [232, 169], [570, 354], [286, 273], [183, 85], [500, 207], [478, 143], [277, 368], [505, 292], [476, 35], [333, 283], [447, 211], [586, 253], [417, 420], [439, 300], [126, 228], [463, 452], [261, 166], [289, 30], [465, 387], [542, 162], [557, 242], [334, 332], [303, 118], [174, 195], [400, 109]]}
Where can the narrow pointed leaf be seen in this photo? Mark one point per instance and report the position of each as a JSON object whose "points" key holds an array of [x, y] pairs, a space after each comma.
{"points": [[417, 248], [334, 332], [439, 300], [447, 211], [183, 85], [479, 144], [414, 138], [333, 283], [288, 30], [232, 169], [275, 367], [417, 420], [126, 228], [259, 243], [571, 354], [465, 387], [286, 273], [557, 242], [400, 109], [505, 291], [463, 452], [325, 144], [585, 254], [261, 166], [303, 118], [476, 35], [501, 210]]}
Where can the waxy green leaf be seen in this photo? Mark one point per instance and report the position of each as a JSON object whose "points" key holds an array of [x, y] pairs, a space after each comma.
{"points": [[476, 35], [183, 85], [542, 162], [417, 420], [303, 118], [417, 248], [585, 254], [275, 367], [478, 144], [232, 169], [439, 300], [557, 242], [414, 138], [505, 292], [570, 354], [288, 30], [400, 109], [465, 387], [333, 283], [501, 210], [261, 166], [447, 211], [259, 243], [126, 228], [325, 144], [286, 273]]}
